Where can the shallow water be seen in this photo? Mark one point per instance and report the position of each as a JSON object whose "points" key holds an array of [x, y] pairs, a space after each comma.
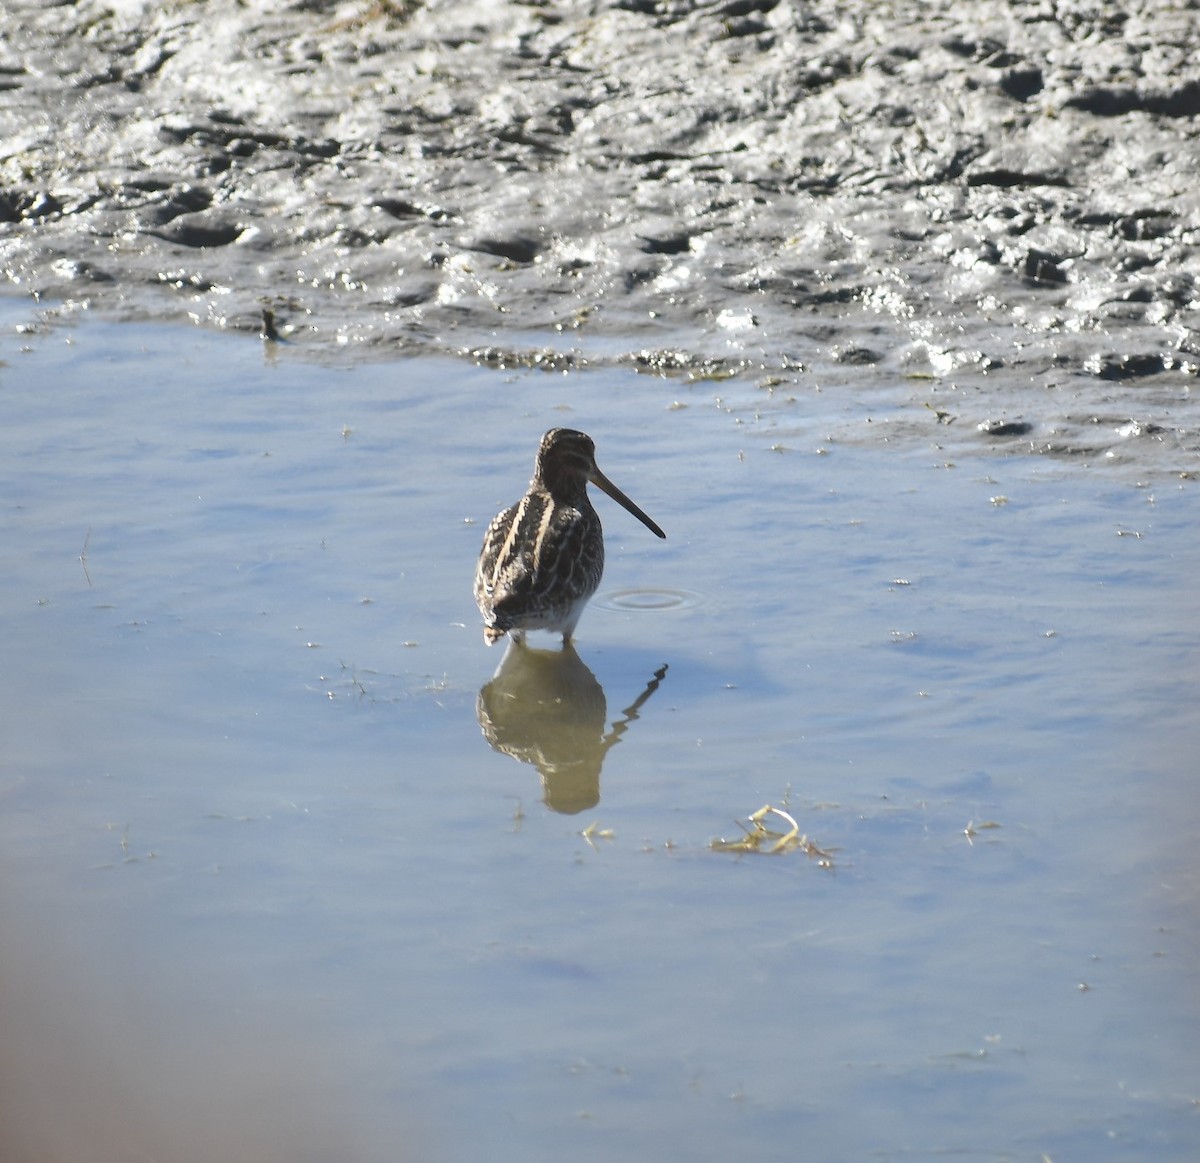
{"points": [[259, 857]]}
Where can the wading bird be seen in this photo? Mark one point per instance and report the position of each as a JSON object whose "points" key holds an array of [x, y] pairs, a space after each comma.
{"points": [[543, 558]]}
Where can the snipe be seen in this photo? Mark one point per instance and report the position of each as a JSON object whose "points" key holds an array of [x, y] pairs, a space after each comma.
{"points": [[543, 558]]}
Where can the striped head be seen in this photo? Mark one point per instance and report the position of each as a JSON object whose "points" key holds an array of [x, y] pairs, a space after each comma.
{"points": [[566, 464]]}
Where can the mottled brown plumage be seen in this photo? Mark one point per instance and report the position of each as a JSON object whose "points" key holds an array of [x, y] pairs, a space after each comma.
{"points": [[543, 558]]}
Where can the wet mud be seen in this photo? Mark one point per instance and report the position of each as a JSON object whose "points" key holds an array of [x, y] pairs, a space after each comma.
{"points": [[992, 199]]}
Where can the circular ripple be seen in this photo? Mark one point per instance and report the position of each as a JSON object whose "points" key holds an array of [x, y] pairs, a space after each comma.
{"points": [[648, 599]]}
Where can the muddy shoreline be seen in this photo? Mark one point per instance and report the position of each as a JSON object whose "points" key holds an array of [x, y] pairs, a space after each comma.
{"points": [[994, 197]]}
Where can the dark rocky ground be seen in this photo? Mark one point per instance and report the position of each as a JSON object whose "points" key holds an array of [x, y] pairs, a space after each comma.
{"points": [[1000, 195]]}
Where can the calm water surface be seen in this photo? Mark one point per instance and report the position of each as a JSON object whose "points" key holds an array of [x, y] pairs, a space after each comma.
{"points": [[261, 859]]}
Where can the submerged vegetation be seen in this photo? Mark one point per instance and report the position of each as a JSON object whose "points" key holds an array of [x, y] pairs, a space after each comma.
{"points": [[760, 838]]}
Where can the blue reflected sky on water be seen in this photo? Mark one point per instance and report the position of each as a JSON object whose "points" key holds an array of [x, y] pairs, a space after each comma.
{"points": [[244, 773]]}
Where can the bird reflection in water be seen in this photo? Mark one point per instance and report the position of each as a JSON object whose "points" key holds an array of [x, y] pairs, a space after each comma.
{"points": [[547, 708]]}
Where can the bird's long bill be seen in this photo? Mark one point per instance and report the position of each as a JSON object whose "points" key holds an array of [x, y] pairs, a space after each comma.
{"points": [[602, 482]]}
